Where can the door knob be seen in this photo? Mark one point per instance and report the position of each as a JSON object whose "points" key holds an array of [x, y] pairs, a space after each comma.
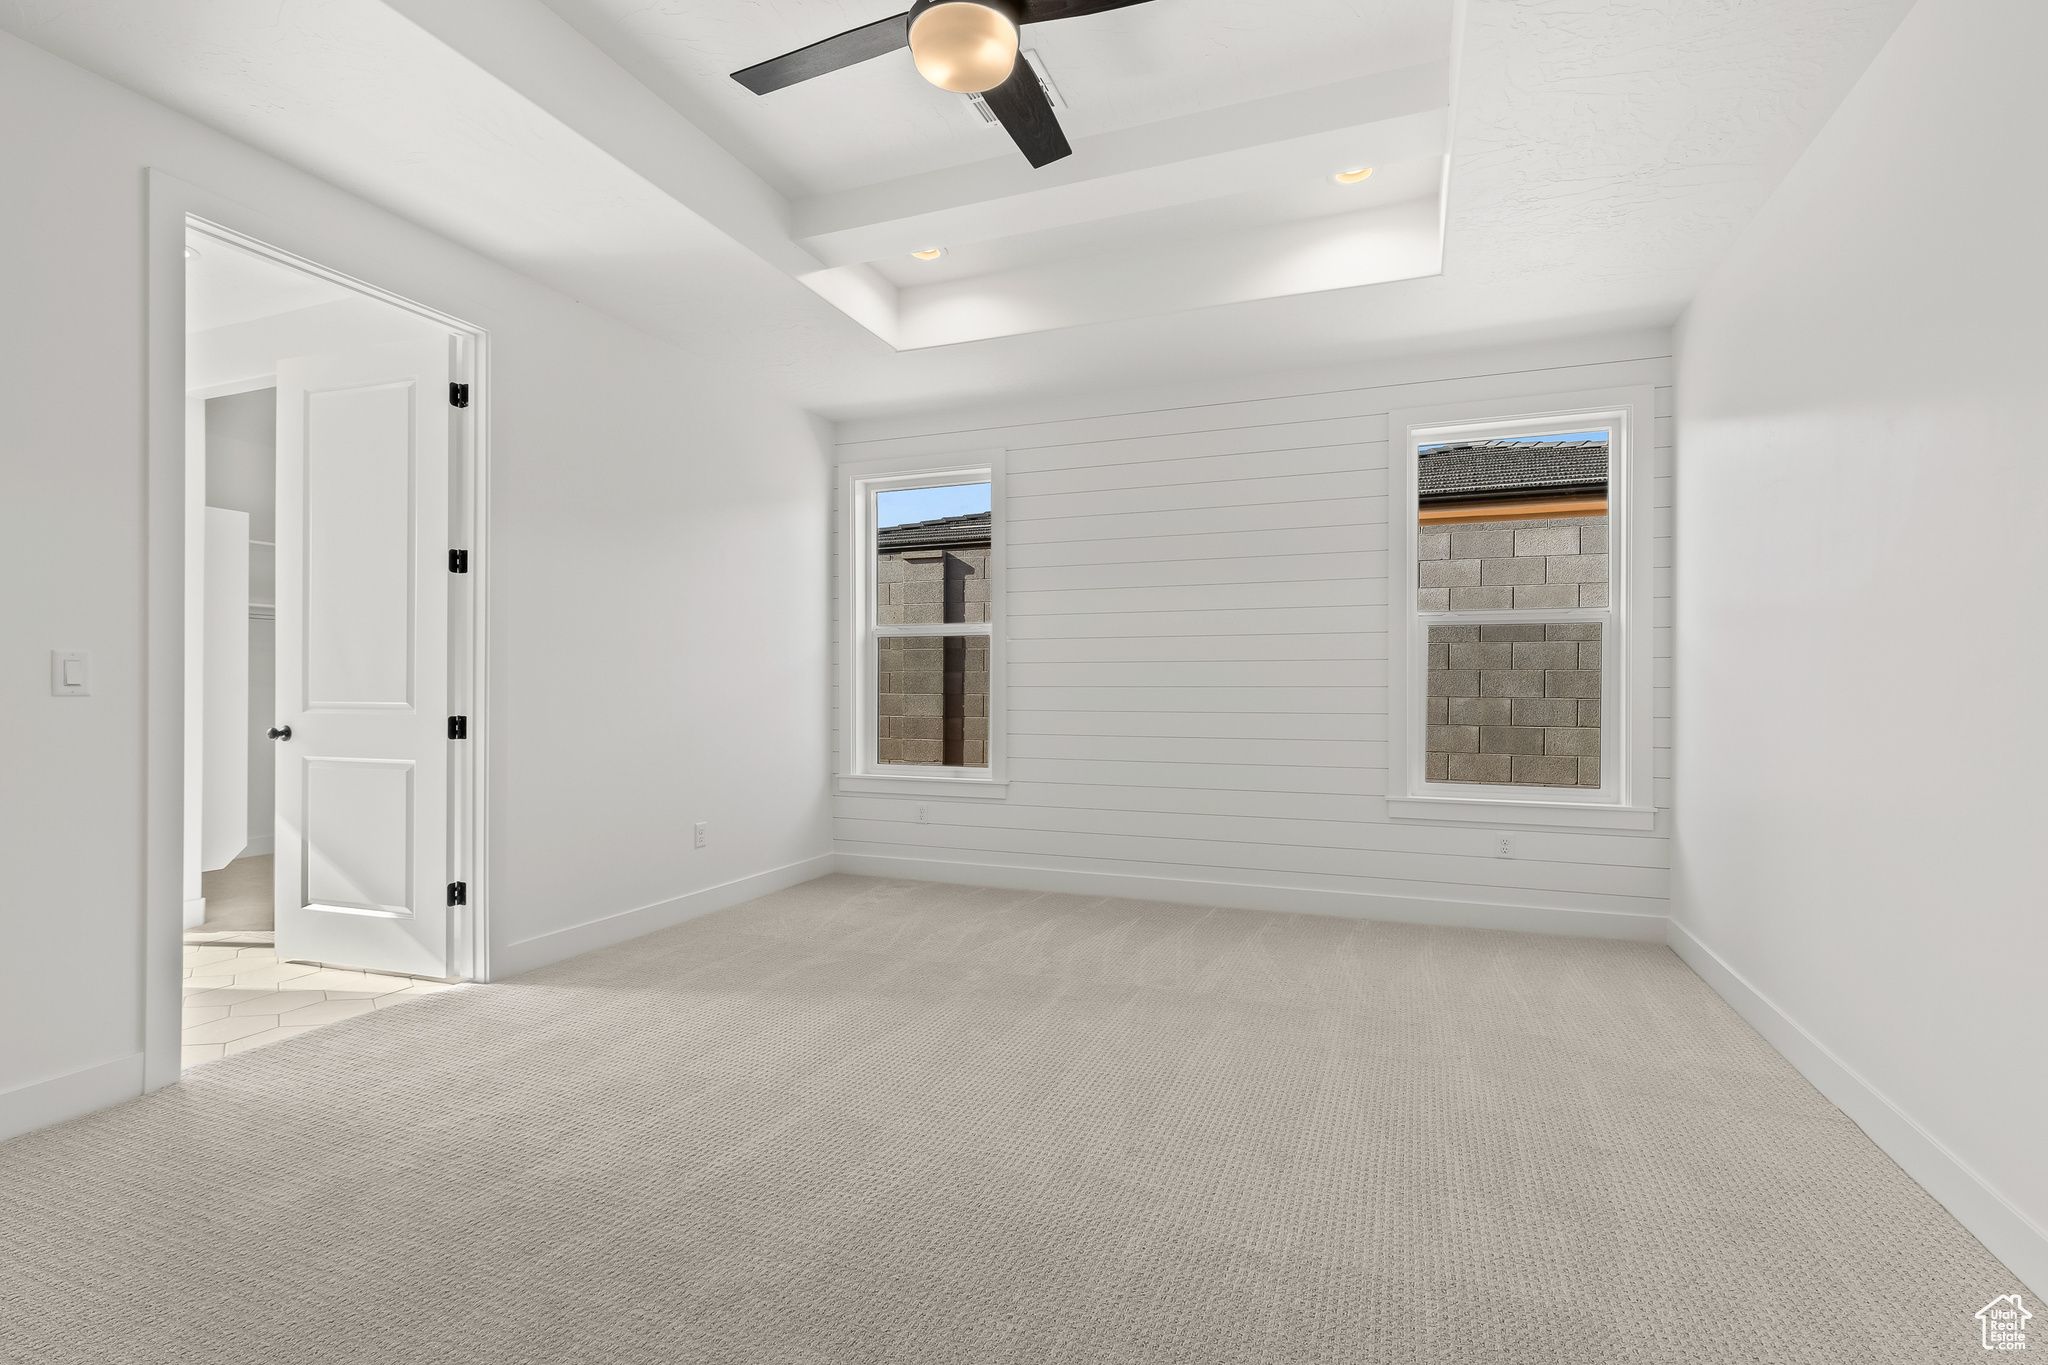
{"points": [[285, 733]]}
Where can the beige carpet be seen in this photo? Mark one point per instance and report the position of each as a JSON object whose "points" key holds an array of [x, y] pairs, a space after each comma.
{"points": [[866, 1121]]}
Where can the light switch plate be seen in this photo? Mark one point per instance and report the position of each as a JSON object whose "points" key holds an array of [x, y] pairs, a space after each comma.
{"points": [[70, 673]]}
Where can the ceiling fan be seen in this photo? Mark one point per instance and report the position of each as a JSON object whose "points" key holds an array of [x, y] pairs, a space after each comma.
{"points": [[966, 46]]}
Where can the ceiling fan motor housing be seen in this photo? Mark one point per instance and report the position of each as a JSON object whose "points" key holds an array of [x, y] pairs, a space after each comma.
{"points": [[967, 46]]}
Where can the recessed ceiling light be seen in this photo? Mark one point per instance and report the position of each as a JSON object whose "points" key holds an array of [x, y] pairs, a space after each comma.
{"points": [[191, 253], [930, 254], [1352, 177]]}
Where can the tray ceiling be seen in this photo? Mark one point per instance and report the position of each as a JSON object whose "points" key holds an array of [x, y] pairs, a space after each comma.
{"points": [[1205, 136], [1600, 161], [879, 121]]}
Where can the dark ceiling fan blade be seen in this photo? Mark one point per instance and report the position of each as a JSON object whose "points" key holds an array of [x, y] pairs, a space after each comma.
{"points": [[1019, 103], [846, 49], [1039, 11]]}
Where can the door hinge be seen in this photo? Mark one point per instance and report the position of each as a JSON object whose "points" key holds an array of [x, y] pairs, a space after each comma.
{"points": [[458, 893], [458, 561], [458, 395], [458, 727]]}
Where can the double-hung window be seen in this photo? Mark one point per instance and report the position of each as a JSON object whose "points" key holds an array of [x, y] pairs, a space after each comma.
{"points": [[1520, 633], [921, 610]]}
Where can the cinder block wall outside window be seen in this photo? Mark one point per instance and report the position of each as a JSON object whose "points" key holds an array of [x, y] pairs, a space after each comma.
{"points": [[932, 690], [1497, 565], [1515, 704]]}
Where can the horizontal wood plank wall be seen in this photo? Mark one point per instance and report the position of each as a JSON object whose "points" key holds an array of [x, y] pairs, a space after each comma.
{"points": [[1197, 687]]}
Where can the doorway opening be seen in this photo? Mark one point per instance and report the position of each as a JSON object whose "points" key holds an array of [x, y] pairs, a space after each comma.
{"points": [[330, 667]]}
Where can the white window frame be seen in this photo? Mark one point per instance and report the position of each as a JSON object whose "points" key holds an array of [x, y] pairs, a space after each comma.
{"points": [[859, 769], [1624, 799]]}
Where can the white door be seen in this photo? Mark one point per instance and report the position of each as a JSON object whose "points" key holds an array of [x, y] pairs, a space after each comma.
{"points": [[364, 455]]}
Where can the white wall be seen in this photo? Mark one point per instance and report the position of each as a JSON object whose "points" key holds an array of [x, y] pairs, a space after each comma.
{"points": [[224, 679], [1197, 685], [241, 458], [1863, 491], [646, 516], [241, 472], [262, 763]]}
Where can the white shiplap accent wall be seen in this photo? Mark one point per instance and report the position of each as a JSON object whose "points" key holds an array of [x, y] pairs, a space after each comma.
{"points": [[1197, 688]]}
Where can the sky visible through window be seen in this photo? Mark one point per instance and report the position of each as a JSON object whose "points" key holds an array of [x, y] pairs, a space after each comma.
{"points": [[1554, 437], [898, 506]]}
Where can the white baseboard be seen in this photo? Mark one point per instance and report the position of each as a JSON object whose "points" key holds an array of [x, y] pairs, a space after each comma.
{"points": [[1533, 919], [42, 1103], [2000, 1225], [195, 912], [527, 953], [259, 846]]}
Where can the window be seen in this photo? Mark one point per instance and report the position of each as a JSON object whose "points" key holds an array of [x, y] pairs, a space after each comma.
{"points": [[1519, 641], [922, 675]]}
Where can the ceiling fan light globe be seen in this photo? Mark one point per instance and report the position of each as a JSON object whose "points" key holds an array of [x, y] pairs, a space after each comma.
{"points": [[962, 46]]}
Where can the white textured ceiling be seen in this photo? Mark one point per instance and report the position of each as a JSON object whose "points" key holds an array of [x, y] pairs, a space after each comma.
{"points": [[880, 121], [1605, 155]]}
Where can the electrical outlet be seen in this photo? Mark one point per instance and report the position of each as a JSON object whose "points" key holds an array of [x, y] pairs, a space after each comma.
{"points": [[702, 830], [1504, 846], [921, 816]]}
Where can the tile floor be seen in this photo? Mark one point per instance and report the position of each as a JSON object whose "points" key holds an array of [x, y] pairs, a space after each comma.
{"points": [[239, 996]]}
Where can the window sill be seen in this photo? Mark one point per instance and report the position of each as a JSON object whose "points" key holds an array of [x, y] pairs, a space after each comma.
{"points": [[980, 788], [1467, 810]]}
